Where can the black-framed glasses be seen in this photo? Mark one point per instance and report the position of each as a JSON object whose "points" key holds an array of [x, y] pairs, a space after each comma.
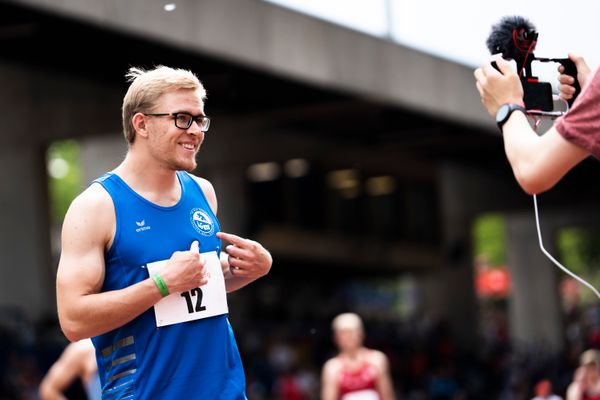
{"points": [[184, 120]]}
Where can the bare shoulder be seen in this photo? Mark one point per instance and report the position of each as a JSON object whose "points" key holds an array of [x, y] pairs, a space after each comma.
{"points": [[378, 358], [92, 214], [209, 191], [80, 350], [83, 346], [95, 197], [331, 366]]}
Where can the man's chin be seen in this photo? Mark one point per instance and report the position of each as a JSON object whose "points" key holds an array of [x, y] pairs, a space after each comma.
{"points": [[184, 166], [190, 167]]}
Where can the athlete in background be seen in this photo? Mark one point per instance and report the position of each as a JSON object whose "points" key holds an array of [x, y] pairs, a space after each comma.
{"points": [[356, 373], [77, 361]]}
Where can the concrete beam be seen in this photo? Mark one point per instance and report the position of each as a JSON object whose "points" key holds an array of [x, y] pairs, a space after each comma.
{"points": [[46, 107], [277, 40], [344, 250]]}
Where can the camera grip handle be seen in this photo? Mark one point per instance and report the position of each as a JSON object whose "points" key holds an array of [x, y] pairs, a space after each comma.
{"points": [[571, 70]]}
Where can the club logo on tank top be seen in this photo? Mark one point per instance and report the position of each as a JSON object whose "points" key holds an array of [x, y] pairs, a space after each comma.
{"points": [[202, 222]]}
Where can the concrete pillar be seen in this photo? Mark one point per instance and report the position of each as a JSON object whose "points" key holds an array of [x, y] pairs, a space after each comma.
{"points": [[466, 193], [450, 291], [230, 186], [27, 271], [534, 305]]}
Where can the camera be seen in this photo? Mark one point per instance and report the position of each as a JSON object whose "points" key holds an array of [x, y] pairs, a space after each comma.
{"points": [[515, 38]]}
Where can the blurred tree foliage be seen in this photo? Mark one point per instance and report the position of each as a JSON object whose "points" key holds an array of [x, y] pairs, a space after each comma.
{"points": [[579, 252], [579, 249], [64, 177], [489, 239]]}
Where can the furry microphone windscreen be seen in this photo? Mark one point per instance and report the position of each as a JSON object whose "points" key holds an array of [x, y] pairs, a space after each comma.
{"points": [[513, 36]]}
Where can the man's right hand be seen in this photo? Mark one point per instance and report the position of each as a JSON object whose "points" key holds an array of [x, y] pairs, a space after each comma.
{"points": [[498, 87], [185, 270]]}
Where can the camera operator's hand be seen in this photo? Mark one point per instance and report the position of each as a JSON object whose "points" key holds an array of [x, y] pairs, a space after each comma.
{"points": [[584, 74], [498, 88]]}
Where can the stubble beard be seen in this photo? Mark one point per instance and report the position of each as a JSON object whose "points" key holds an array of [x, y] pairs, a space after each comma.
{"points": [[179, 165], [174, 163]]}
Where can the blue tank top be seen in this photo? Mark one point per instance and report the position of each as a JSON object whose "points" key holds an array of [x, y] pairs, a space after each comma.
{"points": [[190, 360]]}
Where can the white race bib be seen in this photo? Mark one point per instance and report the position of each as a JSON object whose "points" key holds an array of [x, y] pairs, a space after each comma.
{"points": [[201, 302], [367, 394]]}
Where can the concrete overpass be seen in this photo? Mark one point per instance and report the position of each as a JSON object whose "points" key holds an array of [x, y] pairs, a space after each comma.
{"points": [[281, 86]]}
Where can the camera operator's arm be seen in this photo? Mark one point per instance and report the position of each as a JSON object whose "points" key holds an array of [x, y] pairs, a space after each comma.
{"points": [[584, 75], [538, 162]]}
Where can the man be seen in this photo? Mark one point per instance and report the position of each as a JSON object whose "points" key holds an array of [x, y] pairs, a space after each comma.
{"points": [[139, 270], [78, 360], [539, 162], [586, 382], [356, 373]]}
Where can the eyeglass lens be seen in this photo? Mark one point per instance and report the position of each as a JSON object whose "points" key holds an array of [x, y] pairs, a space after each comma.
{"points": [[184, 121]]}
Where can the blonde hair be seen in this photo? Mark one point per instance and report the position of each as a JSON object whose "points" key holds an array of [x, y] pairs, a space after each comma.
{"points": [[347, 321], [591, 356], [146, 88]]}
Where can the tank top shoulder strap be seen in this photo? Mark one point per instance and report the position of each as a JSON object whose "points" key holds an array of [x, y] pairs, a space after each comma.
{"points": [[191, 185], [108, 181]]}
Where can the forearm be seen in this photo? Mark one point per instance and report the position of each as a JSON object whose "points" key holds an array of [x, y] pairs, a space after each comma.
{"points": [[93, 314], [538, 162], [54, 383], [386, 389], [329, 379], [329, 392], [233, 283], [384, 380], [521, 145], [48, 393]]}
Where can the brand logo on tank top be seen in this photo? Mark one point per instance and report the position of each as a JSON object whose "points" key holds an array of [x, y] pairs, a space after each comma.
{"points": [[142, 226], [202, 222]]}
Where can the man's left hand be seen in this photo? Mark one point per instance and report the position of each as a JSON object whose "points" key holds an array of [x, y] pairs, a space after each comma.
{"points": [[247, 258]]}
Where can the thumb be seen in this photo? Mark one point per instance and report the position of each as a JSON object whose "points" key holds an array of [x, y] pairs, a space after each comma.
{"points": [[579, 61], [195, 247], [503, 65], [576, 58]]}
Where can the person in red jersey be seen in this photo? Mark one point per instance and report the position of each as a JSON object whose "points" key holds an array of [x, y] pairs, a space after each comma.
{"points": [[357, 372]]}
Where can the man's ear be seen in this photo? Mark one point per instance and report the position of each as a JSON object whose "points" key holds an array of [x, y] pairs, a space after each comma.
{"points": [[139, 124]]}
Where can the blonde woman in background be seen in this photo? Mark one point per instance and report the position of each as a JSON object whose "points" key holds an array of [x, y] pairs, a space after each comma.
{"points": [[357, 372], [586, 382]]}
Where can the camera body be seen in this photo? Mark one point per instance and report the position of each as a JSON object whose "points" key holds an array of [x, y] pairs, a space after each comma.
{"points": [[537, 94], [515, 38]]}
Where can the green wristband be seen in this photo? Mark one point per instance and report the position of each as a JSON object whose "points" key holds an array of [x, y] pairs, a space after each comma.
{"points": [[160, 284]]}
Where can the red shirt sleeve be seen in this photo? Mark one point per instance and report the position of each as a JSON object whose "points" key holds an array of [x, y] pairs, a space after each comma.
{"points": [[581, 124]]}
